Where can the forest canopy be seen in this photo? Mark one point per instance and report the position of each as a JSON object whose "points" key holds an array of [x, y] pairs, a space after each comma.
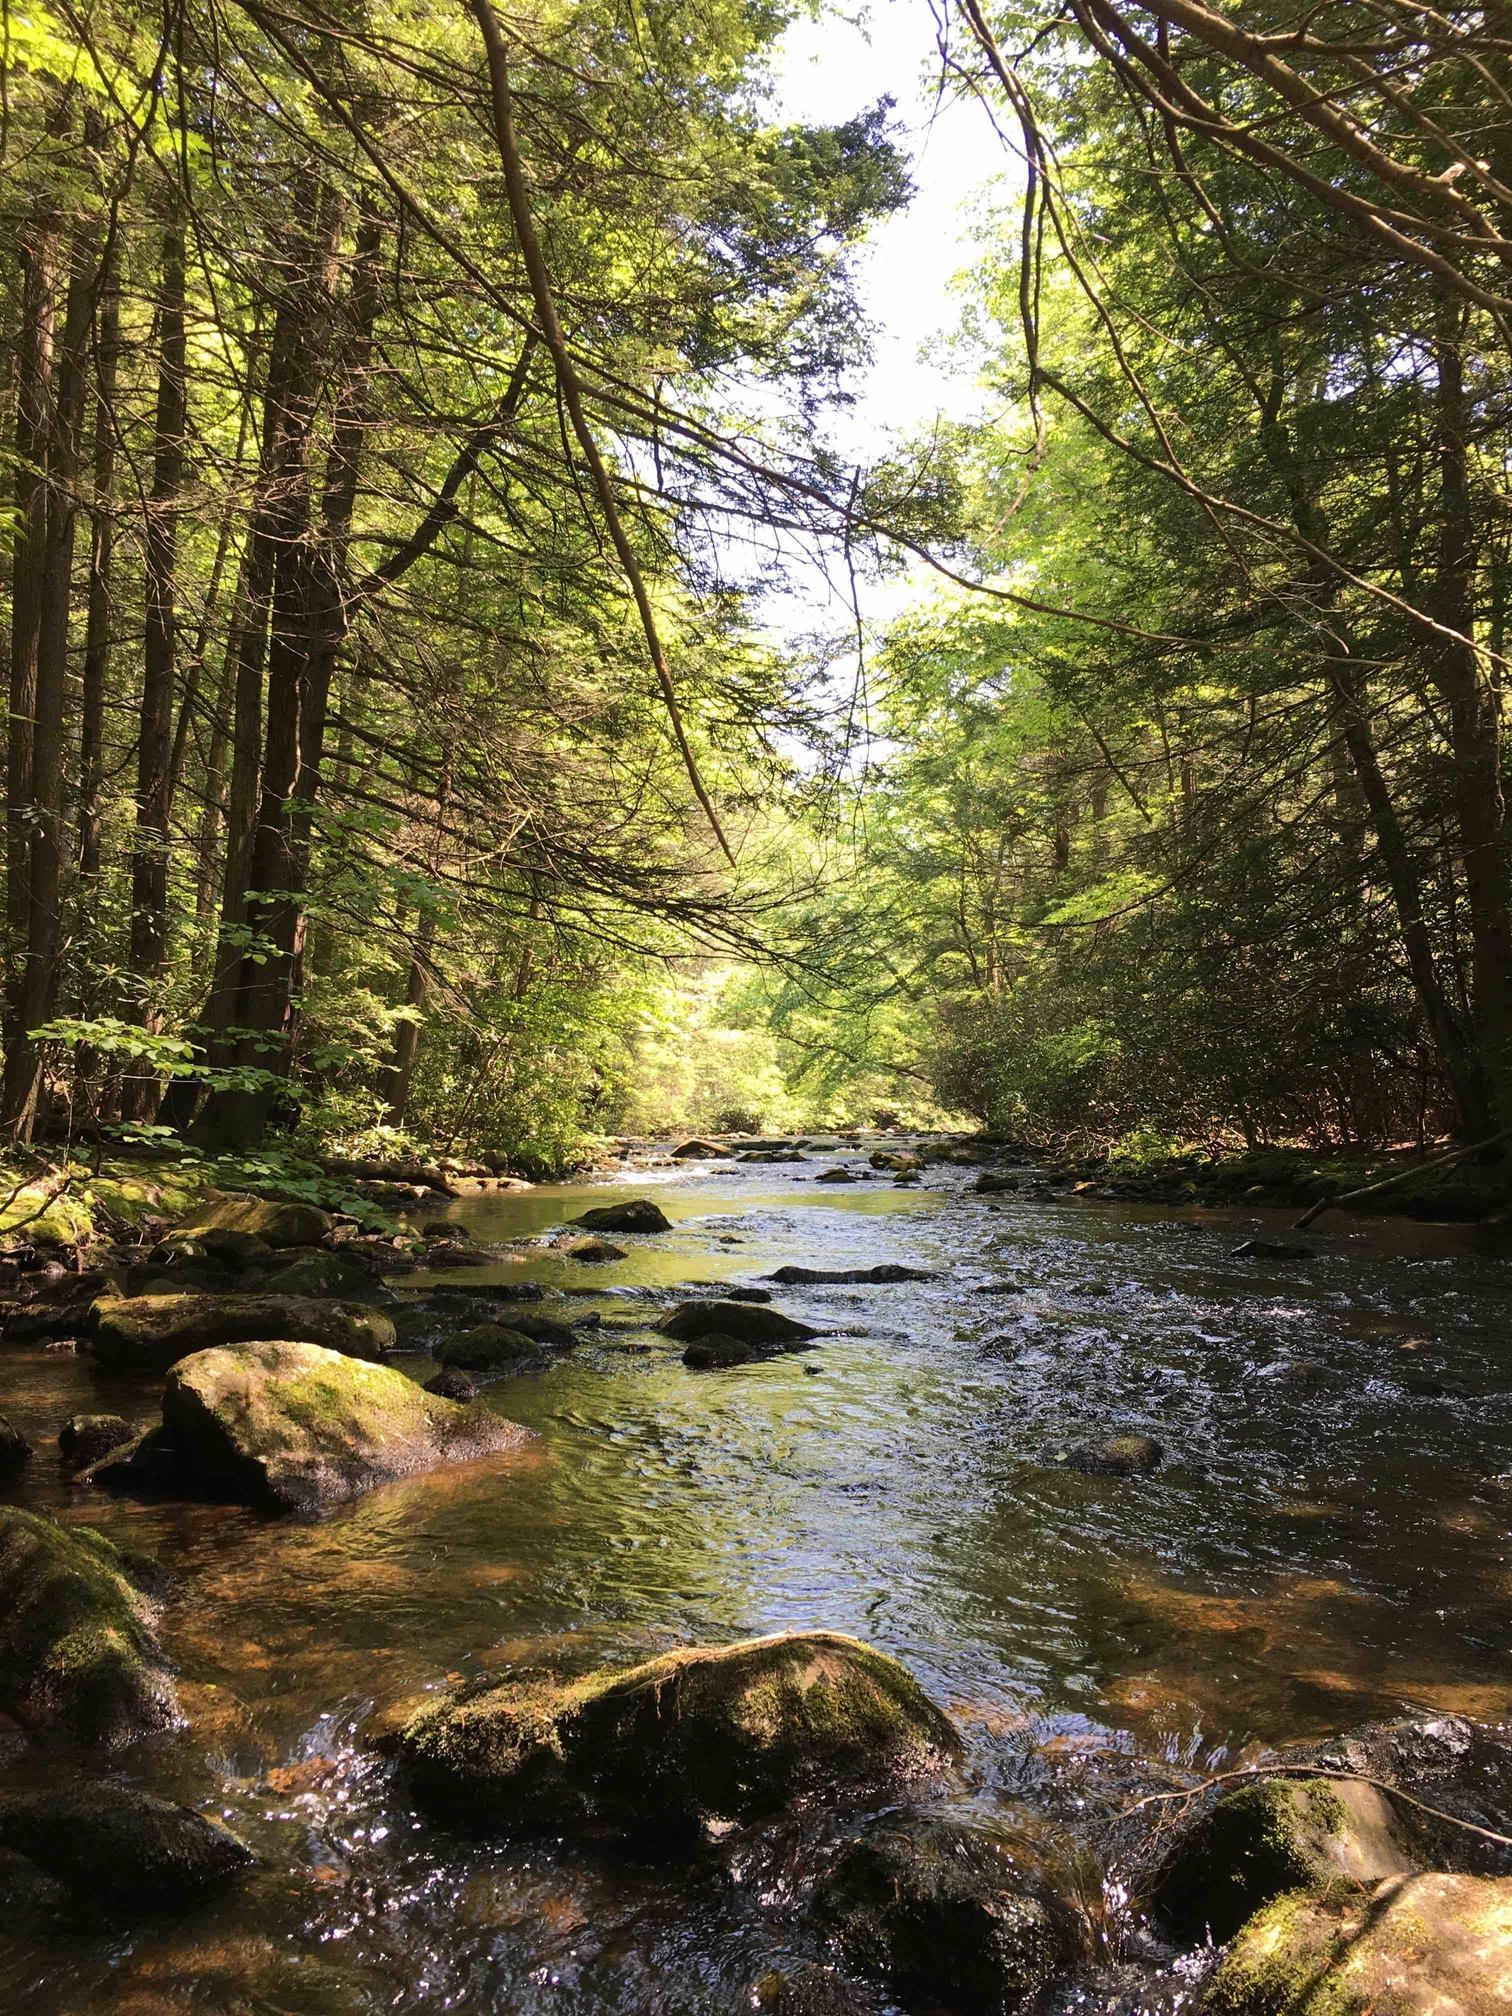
{"points": [[410, 414]]}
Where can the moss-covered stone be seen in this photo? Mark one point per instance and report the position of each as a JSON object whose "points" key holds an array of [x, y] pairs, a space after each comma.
{"points": [[680, 1744], [279, 1222], [1118, 1456], [78, 1651], [502, 1347], [637, 1214], [85, 1438], [147, 1333], [1425, 1945], [122, 1848], [322, 1271], [1279, 1835], [591, 1251], [958, 1916], [750, 1322], [294, 1427], [14, 1447]]}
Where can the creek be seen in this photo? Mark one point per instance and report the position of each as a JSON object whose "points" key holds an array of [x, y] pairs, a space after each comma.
{"points": [[1324, 1542]]}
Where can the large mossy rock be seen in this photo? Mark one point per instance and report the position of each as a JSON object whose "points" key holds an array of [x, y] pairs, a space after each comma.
{"points": [[681, 1744], [639, 1214], [1282, 1834], [122, 1848], [298, 1428], [489, 1349], [323, 1271], [78, 1652], [147, 1333], [751, 1323], [949, 1915], [1429, 1945], [280, 1224]]}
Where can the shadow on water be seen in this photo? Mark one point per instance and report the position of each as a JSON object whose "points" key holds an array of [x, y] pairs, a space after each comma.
{"points": [[1324, 1542]]}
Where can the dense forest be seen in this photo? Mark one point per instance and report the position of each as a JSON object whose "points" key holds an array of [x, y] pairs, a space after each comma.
{"points": [[409, 414]]}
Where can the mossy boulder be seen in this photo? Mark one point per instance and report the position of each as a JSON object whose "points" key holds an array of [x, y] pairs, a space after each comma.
{"points": [[957, 1916], [681, 1744], [323, 1270], [1118, 1456], [488, 1349], [14, 1447], [85, 1438], [592, 1251], [751, 1323], [637, 1214], [1278, 1835], [147, 1333], [79, 1655], [297, 1428], [122, 1848], [1424, 1945], [277, 1221]]}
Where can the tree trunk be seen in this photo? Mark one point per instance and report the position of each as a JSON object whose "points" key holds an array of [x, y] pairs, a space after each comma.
{"points": [[149, 864]]}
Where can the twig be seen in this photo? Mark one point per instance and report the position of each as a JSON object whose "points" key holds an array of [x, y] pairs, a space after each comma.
{"points": [[1317, 1771]]}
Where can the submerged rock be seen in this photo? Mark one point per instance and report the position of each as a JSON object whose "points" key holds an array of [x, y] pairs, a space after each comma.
{"points": [[722, 1354], [121, 1848], [488, 1348], [681, 1744], [1118, 1456], [1278, 1835], [78, 1652], [1272, 1249], [85, 1438], [295, 1427], [593, 1251], [638, 1215], [949, 1913], [452, 1384], [751, 1323], [807, 1991], [147, 1333], [276, 1223], [14, 1447], [1429, 1945], [888, 1271]]}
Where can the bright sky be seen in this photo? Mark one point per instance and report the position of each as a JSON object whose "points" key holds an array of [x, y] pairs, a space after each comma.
{"points": [[828, 71]]}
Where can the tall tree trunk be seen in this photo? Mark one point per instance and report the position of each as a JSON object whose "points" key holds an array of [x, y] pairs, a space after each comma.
{"points": [[1474, 727], [37, 258], [149, 861]]}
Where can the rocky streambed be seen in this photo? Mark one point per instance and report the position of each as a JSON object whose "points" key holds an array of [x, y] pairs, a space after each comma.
{"points": [[849, 1580]]}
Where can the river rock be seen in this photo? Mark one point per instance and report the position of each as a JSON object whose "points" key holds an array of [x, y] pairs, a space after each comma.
{"points": [[593, 1252], [750, 1322], [147, 1333], [1272, 1249], [1280, 1834], [275, 1222], [896, 1160], [1427, 1945], [298, 1428], [488, 1349], [888, 1271], [122, 1848], [452, 1384], [698, 1151], [1118, 1456], [746, 1294], [639, 1214], [952, 1914], [323, 1270], [85, 1438], [722, 1354], [681, 1744], [14, 1447], [79, 1655], [995, 1183], [837, 1175]]}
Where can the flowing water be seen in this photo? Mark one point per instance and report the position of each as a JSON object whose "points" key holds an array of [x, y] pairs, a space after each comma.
{"points": [[1326, 1541]]}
